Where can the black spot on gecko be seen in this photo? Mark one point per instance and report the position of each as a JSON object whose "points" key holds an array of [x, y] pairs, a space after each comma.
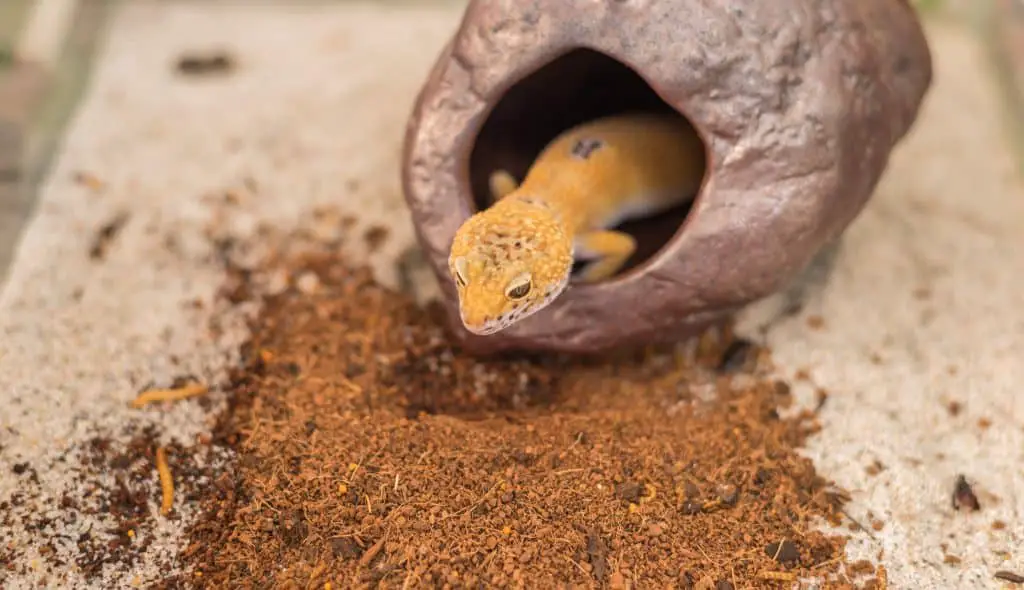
{"points": [[536, 202], [585, 147]]}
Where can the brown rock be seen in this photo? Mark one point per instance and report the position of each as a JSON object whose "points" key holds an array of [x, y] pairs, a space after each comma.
{"points": [[783, 552], [799, 103]]}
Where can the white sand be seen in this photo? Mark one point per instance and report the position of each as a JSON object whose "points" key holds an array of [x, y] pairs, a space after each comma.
{"points": [[320, 99], [947, 223], [319, 102]]}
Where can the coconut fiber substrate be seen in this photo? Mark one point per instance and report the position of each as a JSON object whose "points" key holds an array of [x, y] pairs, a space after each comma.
{"points": [[370, 453]]}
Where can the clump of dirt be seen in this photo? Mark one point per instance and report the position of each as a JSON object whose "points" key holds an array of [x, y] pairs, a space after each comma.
{"points": [[372, 453]]}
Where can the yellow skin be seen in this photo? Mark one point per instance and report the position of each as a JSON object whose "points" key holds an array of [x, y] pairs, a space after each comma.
{"points": [[513, 259]]}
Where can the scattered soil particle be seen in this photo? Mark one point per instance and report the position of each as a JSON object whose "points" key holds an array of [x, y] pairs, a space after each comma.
{"points": [[875, 468], [425, 467], [106, 235], [861, 567], [963, 495], [922, 293], [954, 408], [728, 494], [815, 322], [307, 282], [205, 64], [597, 553], [784, 552], [88, 180], [736, 356], [821, 398], [115, 489], [1011, 577], [375, 237], [629, 491]]}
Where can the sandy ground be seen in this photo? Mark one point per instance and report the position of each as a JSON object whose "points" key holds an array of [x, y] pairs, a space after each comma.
{"points": [[923, 311], [920, 311], [79, 337]]}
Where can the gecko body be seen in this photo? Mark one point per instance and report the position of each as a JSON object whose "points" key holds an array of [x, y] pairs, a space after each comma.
{"points": [[514, 258]]}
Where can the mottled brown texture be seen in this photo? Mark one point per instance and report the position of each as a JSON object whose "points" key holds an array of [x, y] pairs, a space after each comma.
{"points": [[373, 454], [799, 102]]}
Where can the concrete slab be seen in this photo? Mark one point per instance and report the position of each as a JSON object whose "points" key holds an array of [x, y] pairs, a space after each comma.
{"points": [[922, 308]]}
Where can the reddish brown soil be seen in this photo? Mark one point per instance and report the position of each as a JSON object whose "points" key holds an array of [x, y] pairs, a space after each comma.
{"points": [[372, 454]]}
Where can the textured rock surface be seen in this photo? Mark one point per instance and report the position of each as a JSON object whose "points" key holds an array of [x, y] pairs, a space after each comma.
{"points": [[800, 103]]}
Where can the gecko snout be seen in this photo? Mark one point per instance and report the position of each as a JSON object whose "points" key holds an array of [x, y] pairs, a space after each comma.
{"points": [[483, 323]]}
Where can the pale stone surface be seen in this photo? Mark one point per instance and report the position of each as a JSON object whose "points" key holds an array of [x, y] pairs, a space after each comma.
{"points": [[312, 118], [924, 307], [320, 98]]}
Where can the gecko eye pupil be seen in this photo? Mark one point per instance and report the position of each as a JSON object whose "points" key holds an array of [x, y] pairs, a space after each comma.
{"points": [[518, 290]]}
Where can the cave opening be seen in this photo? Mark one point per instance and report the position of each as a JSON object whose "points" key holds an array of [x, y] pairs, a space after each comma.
{"points": [[579, 86]]}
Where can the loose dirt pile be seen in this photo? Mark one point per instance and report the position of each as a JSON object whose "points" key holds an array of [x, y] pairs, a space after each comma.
{"points": [[373, 454]]}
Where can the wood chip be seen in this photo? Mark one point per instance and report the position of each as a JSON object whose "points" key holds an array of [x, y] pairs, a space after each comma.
{"points": [[167, 395], [1011, 577], [166, 482]]}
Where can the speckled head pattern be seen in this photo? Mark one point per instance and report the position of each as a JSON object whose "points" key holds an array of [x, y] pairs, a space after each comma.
{"points": [[508, 262]]}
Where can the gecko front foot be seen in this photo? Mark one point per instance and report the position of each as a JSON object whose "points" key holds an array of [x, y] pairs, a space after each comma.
{"points": [[608, 250], [501, 184]]}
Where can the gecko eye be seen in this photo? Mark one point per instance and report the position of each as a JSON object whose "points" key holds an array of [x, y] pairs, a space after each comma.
{"points": [[519, 287]]}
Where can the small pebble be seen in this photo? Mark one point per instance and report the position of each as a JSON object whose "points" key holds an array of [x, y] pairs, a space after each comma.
{"points": [[963, 496], [308, 283], [690, 507], [728, 493], [783, 552], [277, 282]]}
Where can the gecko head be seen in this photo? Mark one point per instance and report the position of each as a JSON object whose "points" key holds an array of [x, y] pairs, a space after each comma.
{"points": [[508, 262]]}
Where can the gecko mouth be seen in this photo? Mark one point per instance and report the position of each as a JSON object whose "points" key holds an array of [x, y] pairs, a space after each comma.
{"points": [[491, 326], [484, 330], [488, 327]]}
